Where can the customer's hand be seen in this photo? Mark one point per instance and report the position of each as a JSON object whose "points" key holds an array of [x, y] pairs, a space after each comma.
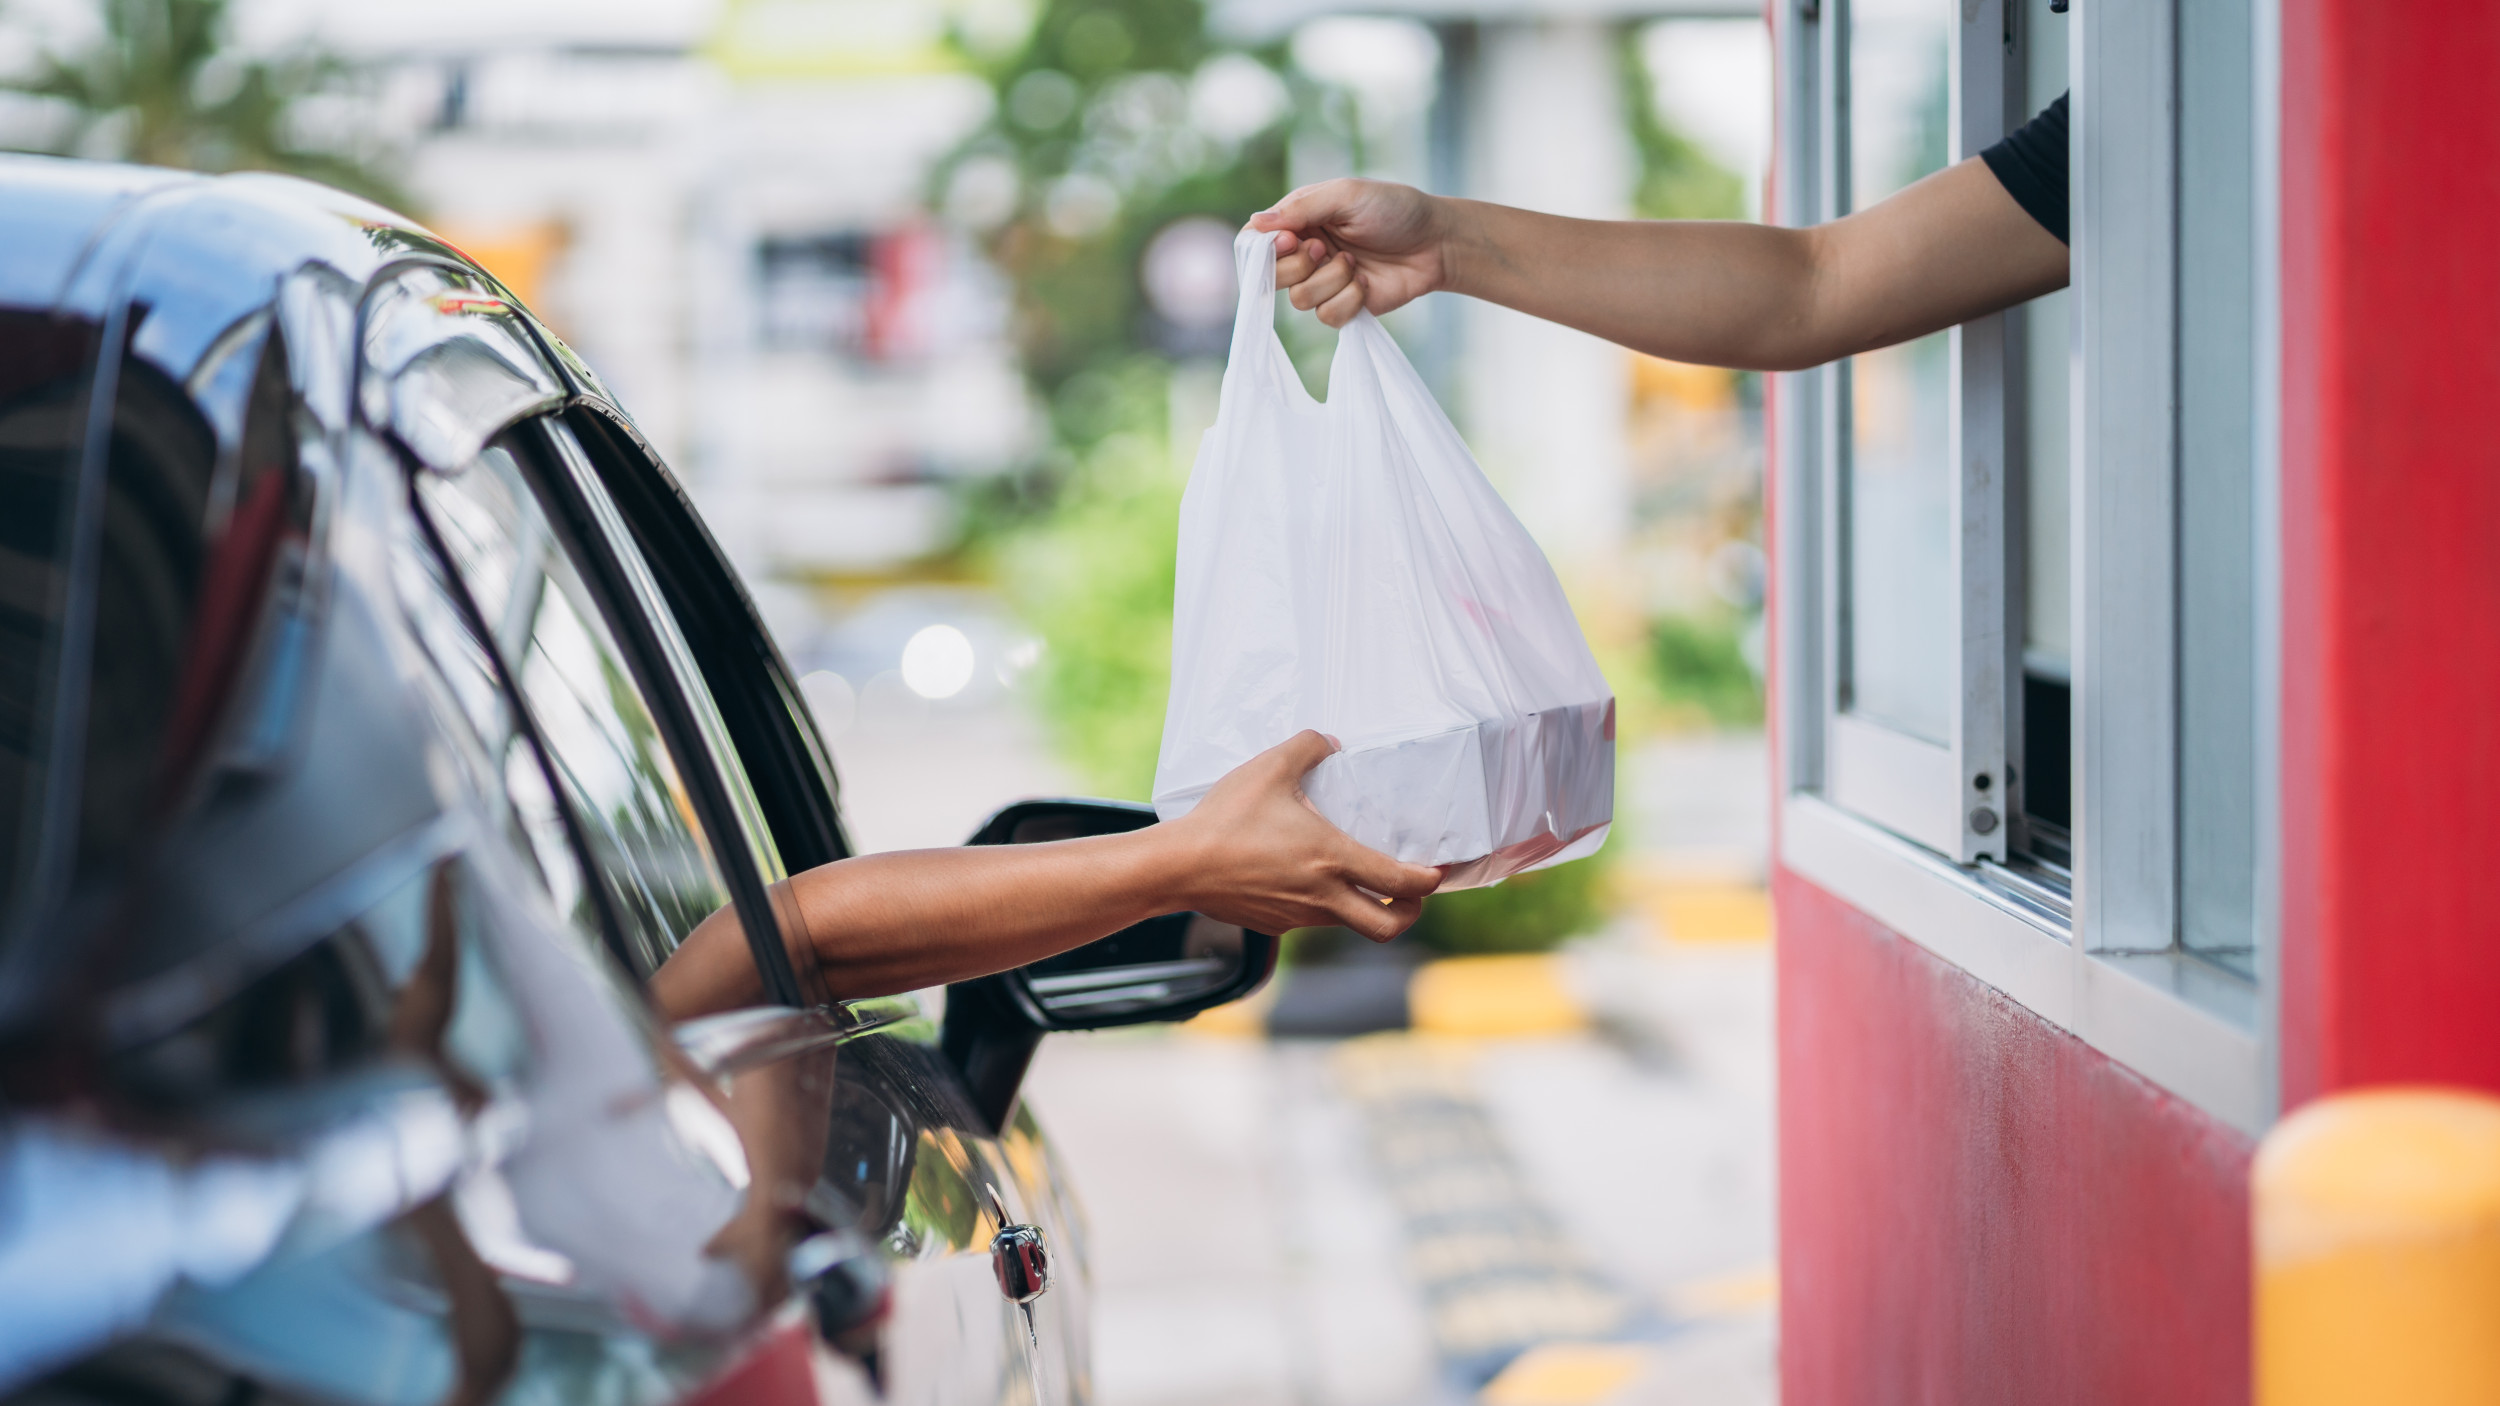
{"points": [[1350, 244], [1257, 853]]}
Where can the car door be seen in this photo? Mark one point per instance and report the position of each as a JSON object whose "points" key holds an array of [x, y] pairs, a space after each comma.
{"points": [[935, 1184]]}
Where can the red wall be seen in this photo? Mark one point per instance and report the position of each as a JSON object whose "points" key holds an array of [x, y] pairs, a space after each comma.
{"points": [[2391, 544], [1977, 1207]]}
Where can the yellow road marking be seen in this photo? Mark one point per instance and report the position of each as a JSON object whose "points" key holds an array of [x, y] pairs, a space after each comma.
{"points": [[1565, 1374], [1492, 996], [1709, 912], [1726, 1295]]}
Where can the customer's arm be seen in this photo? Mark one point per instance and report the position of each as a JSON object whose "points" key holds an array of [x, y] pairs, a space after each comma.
{"points": [[1254, 852], [1718, 292]]}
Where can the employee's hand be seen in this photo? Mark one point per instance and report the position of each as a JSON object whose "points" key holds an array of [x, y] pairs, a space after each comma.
{"points": [[1347, 245], [1257, 853]]}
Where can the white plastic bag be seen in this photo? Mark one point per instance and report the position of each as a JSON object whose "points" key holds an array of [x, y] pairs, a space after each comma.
{"points": [[1346, 567]]}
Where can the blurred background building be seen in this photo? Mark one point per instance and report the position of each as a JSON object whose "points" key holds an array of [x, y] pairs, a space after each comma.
{"points": [[925, 301], [861, 266]]}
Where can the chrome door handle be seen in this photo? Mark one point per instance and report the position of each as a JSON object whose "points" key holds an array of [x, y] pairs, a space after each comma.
{"points": [[1022, 1263]]}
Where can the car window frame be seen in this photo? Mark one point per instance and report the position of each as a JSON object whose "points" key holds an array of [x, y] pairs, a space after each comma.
{"points": [[768, 720]]}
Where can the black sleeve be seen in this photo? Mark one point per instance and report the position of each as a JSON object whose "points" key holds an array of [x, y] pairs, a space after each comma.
{"points": [[2031, 164]]}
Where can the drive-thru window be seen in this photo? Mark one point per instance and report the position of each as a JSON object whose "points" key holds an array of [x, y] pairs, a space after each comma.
{"points": [[2134, 679], [2021, 717]]}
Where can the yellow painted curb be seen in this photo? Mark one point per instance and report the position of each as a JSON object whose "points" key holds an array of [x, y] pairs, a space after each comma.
{"points": [[1726, 1295], [1711, 912], [2377, 1240], [1492, 996], [1565, 1374]]}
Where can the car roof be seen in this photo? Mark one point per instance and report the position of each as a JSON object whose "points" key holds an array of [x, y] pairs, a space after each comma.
{"points": [[70, 225], [50, 212]]}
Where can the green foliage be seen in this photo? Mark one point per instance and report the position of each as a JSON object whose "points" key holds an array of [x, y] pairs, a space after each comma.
{"points": [[1530, 912], [1678, 181], [1698, 664], [1096, 107], [159, 85], [1095, 576]]}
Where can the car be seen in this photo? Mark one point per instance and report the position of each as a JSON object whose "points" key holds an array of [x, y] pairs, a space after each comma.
{"points": [[376, 715]]}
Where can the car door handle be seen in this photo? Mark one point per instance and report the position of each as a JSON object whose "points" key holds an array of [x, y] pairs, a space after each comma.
{"points": [[1022, 1262]]}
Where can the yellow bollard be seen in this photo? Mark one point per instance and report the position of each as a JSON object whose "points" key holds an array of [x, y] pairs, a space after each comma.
{"points": [[2378, 1251]]}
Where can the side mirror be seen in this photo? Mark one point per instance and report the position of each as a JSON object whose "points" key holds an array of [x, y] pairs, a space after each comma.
{"points": [[1165, 968]]}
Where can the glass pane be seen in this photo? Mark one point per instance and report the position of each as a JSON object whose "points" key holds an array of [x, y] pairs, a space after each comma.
{"points": [[1899, 104], [2048, 540], [43, 386], [1901, 668], [2216, 504], [2046, 360], [606, 748], [755, 829], [152, 548], [499, 763]]}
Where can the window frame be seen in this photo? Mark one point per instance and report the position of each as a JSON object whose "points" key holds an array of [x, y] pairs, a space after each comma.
{"points": [[768, 721], [1864, 822], [622, 552], [1954, 797]]}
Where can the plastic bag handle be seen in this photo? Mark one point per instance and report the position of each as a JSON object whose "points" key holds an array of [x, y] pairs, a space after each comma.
{"points": [[1254, 322]]}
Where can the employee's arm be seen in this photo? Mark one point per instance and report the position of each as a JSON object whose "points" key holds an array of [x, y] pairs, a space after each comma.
{"points": [[1717, 292], [1253, 852]]}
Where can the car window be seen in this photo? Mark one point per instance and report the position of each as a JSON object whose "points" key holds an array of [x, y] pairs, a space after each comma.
{"points": [[603, 741], [485, 740], [43, 384], [132, 606]]}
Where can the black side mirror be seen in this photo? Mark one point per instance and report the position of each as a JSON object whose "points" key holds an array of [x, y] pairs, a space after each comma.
{"points": [[1165, 968]]}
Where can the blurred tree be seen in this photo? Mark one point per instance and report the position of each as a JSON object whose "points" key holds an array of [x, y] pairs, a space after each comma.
{"points": [[1699, 668], [1114, 119], [1678, 180], [161, 84], [1695, 666], [1094, 575]]}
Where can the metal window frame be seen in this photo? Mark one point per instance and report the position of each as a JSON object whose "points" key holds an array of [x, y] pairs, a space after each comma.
{"points": [[1952, 798], [2125, 423], [2114, 976]]}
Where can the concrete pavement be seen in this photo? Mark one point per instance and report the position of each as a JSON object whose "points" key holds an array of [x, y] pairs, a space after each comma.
{"points": [[1260, 1235]]}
